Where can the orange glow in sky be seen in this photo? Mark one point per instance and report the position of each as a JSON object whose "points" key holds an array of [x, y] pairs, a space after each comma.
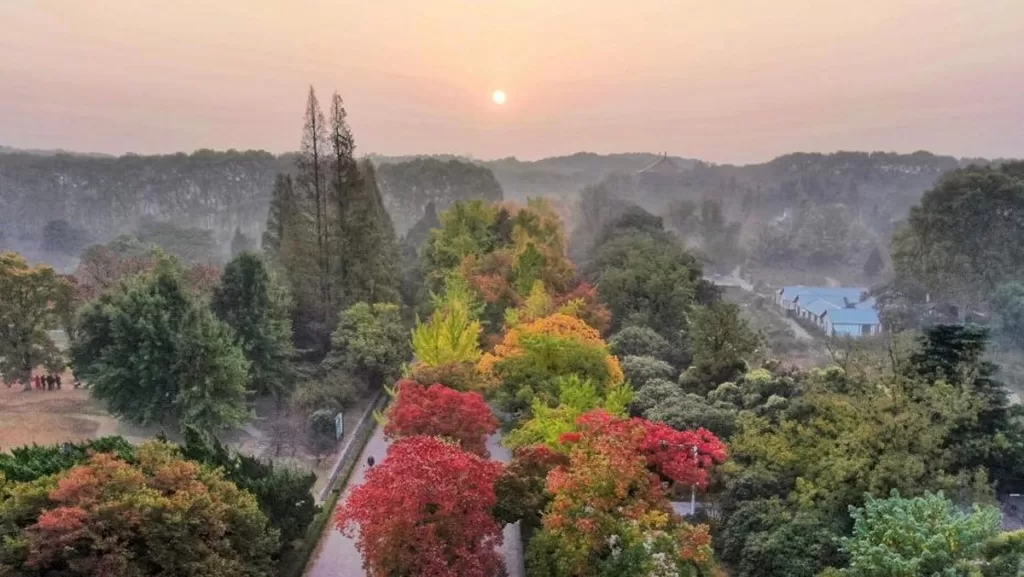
{"points": [[727, 80]]}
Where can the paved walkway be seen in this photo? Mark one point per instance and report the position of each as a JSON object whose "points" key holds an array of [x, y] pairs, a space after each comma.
{"points": [[337, 555]]}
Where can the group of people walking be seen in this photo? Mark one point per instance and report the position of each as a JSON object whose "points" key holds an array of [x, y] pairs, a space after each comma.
{"points": [[47, 382]]}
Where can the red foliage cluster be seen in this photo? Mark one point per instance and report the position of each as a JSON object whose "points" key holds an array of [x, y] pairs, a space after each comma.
{"points": [[593, 312], [438, 411], [426, 511], [668, 452]]}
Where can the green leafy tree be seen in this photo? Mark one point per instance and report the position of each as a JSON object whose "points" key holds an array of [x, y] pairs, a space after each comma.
{"points": [[250, 301], [766, 538], [640, 341], [371, 343], [466, 229], [1008, 302], [955, 354], [688, 411], [640, 370], [452, 334], [34, 300], [927, 535], [153, 352], [964, 239], [647, 279], [322, 431], [284, 495], [722, 342], [576, 396]]}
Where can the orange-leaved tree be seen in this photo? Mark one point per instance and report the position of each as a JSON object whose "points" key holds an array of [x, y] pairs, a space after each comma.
{"points": [[533, 356]]}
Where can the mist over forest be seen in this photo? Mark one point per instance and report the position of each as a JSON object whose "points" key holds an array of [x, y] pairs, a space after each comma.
{"points": [[822, 212], [818, 346]]}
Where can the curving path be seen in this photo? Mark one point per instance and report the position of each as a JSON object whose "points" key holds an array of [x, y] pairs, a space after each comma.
{"points": [[337, 555]]}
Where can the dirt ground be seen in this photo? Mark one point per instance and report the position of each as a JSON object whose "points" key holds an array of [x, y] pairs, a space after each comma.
{"points": [[47, 417]]}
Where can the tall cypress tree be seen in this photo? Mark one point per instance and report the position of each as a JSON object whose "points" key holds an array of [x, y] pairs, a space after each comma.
{"points": [[372, 255], [280, 203], [344, 179], [312, 180]]}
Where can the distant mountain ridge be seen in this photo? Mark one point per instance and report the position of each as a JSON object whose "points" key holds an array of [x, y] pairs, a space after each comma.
{"points": [[222, 191]]}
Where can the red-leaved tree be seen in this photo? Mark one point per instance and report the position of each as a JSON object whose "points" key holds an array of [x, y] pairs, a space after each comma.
{"points": [[438, 411], [609, 513], [681, 456], [426, 511]]}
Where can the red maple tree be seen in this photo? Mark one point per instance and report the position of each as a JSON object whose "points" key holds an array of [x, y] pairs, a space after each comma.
{"points": [[438, 411], [426, 511], [681, 456]]}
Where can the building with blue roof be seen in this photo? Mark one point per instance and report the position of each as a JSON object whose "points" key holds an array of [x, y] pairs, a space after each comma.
{"points": [[834, 310], [852, 322]]}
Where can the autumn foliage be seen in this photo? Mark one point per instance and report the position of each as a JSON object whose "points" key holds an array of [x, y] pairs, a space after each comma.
{"points": [[558, 326], [162, 516], [609, 511], [522, 487], [426, 511], [438, 411], [684, 457]]}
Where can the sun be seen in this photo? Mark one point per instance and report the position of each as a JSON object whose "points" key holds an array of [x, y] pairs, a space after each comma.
{"points": [[498, 96]]}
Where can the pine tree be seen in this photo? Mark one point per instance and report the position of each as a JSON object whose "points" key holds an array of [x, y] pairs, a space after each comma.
{"points": [[344, 180], [874, 264], [251, 303], [372, 273], [281, 201], [312, 180]]}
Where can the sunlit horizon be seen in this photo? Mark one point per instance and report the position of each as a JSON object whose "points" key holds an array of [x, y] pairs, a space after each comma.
{"points": [[730, 82]]}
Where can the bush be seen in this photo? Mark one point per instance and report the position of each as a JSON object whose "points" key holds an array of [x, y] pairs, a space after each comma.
{"points": [[639, 342], [322, 431], [640, 370], [653, 393]]}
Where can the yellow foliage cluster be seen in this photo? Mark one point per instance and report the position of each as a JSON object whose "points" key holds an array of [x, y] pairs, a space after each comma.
{"points": [[557, 325]]}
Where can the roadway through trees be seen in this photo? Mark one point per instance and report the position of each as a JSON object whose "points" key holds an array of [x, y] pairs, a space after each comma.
{"points": [[337, 554]]}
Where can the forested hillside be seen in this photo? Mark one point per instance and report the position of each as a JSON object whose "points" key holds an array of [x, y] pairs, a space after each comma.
{"points": [[801, 210]]}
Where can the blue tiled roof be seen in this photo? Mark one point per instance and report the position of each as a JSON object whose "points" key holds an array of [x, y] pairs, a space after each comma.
{"points": [[791, 293], [868, 303], [852, 316], [822, 304]]}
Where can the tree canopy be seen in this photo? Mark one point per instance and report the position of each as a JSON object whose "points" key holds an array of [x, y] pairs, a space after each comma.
{"points": [[964, 239], [154, 353], [250, 301], [35, 298]]}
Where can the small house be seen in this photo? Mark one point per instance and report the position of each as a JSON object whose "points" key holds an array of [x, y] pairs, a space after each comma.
{"points": [[851, 322]]}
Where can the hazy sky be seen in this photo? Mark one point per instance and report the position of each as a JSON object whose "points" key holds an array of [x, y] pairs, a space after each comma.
{"points": [[723, 80]]}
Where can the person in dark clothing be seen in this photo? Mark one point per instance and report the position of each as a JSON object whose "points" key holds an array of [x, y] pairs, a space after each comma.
{"points": [[57, 378], [51, 382], [370, 461]]}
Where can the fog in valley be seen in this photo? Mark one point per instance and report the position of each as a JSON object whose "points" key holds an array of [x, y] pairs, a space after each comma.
{"points": [[512, 289]]}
